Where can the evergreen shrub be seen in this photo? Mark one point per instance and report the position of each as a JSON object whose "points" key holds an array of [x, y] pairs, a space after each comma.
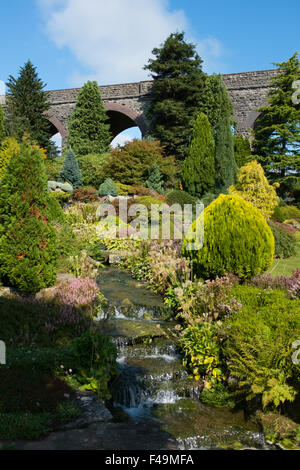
{"points": [[28, 256], [108, 188], [237, 240]]}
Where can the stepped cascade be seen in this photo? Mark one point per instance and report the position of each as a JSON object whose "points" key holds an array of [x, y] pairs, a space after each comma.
{"points": [[152, 387]]}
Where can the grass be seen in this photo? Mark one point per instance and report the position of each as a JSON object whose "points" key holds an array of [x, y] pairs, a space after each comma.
{"points": [[285, 267]]}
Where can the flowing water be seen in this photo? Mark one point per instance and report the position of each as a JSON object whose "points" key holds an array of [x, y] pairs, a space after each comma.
{"points": [[153, 387]]}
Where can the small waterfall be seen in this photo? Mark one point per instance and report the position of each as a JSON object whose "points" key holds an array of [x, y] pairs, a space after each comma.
{"points": [[152, 384]]}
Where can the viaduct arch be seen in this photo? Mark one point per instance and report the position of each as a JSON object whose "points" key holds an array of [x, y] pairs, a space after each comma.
{"points": [[127, 103]]}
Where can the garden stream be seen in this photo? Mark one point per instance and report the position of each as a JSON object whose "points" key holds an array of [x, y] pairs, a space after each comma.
{"points": [[153, 391]]}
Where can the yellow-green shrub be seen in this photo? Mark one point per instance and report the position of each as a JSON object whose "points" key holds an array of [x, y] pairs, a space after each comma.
{"points": [[8, 148], [237, 239], [253, 186]]}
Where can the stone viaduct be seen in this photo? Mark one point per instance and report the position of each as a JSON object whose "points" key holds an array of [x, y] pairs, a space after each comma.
{"points": [[126, 103]]}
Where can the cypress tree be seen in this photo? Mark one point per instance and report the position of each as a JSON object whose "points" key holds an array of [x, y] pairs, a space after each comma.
{"points": [[88, 130], [225, 164], [28, 255], [242, 150], [155, 180], [217, 105], [26, 103], [2, 126], [277, 130], [198, 169], [178, 81], [70, 171]]}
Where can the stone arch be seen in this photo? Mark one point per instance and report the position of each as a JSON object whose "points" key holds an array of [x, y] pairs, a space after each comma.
{"points": [[250, 120], [58, 125], [121, 118]]}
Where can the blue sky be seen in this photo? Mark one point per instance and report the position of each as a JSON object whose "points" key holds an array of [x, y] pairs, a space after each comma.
{"points": [[71, 41]]}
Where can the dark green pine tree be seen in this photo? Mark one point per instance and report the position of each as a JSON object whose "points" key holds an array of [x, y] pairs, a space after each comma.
{"points": [[2, 126], [178, 81], [70, 172], [277, 128], [198, 169], [87, 126], [242, 150], [28, 250], [155, 180], [217, 105], [26, 103]]}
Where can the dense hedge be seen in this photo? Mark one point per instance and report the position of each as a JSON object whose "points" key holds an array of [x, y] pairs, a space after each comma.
{"points": [[237, 239], [285, 243]]}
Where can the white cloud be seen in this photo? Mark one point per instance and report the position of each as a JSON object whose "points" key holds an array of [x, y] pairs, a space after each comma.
{"points": [[113, 39]]}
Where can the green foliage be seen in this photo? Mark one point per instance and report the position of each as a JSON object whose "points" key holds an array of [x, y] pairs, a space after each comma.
{"points": [[242, 150], [179, 197], [285, 243], [8, 148], [70, 171], [197, 301], [155, 180], [2, 126], [132, 163], [28, 256], [53, 168], [88, 130], [225, 164], [218, 396], [202, 352], [91, 167], [289, 190], [198, 169], [208, 198], [26, 104], [108, 188], [97, 360], [148, 201], [282, 213], [24, 425], [237, 240], [276, 132], [258, 348], [218, 108], [125, 189], [176, 93], [54, 208]]}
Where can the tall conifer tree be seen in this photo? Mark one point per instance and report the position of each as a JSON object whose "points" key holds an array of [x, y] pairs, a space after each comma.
{"points": [[87, 126], [217, 105], [26, 104], [178, 82], [198, 169]]}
